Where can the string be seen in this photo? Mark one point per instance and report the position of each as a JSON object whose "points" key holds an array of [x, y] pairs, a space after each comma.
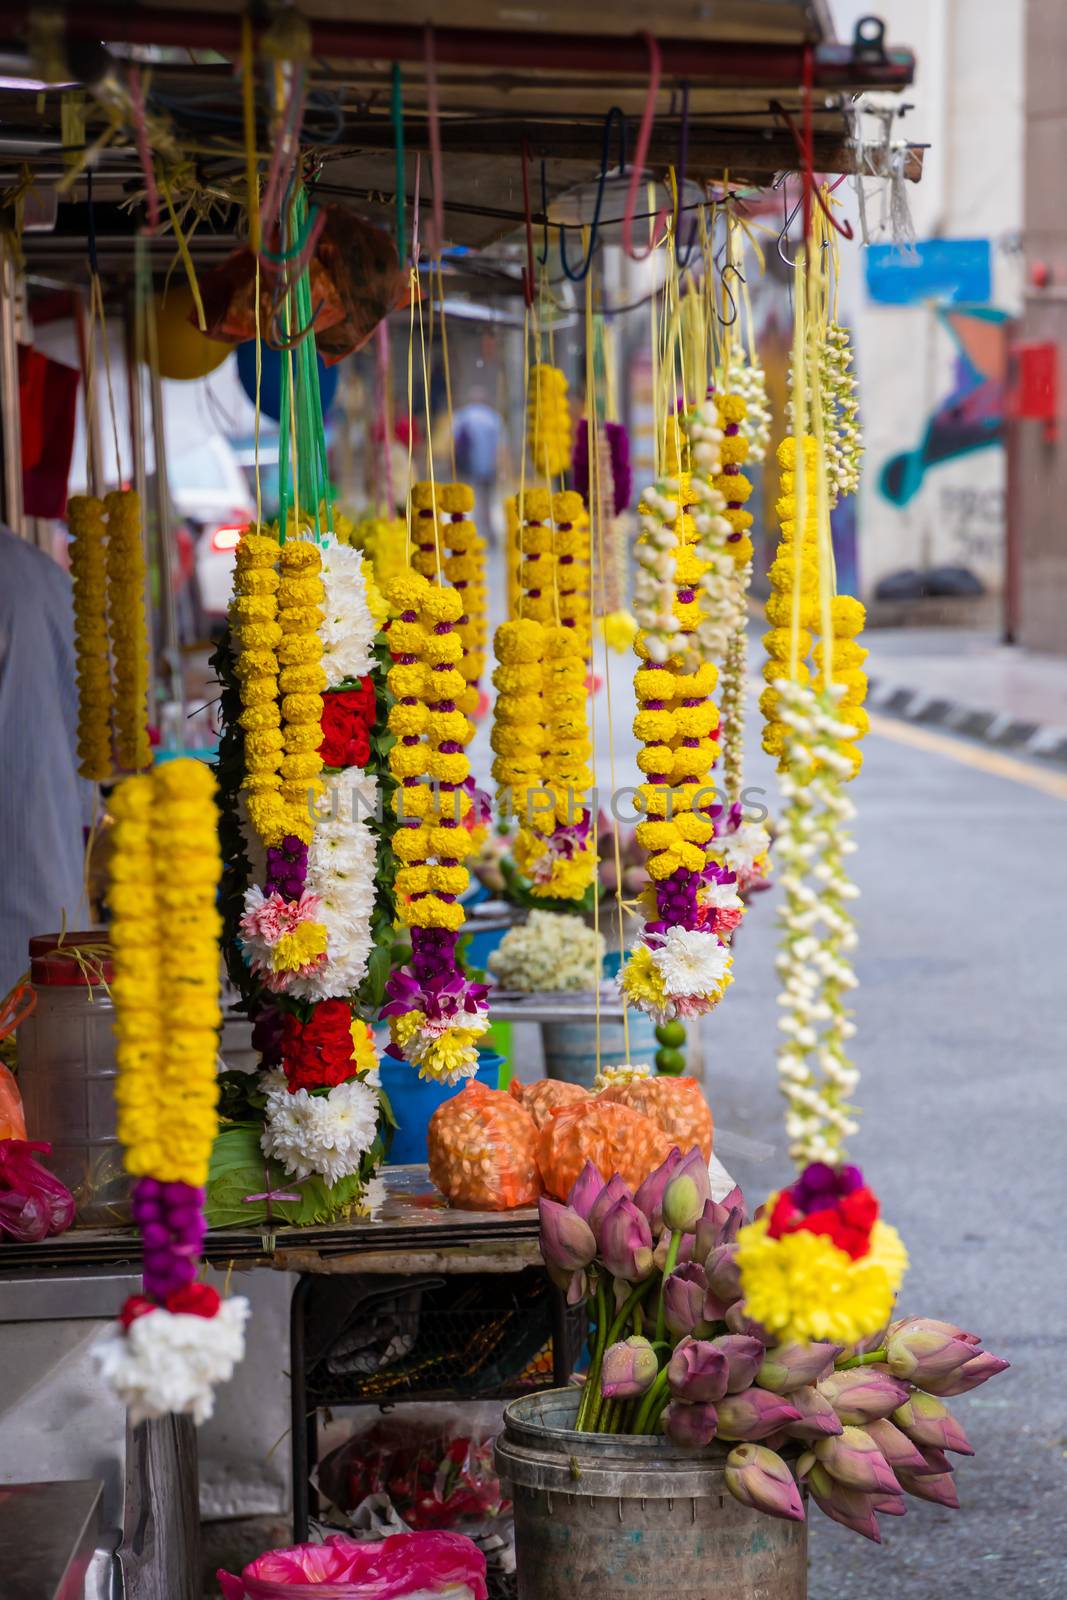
{"points": [[248, 97], [98, 305], [438, 241], [448, 371], [259, 382], [140, 133], [413, 289], [800, 475], [397, 114], [183, 251], [429, 447]]}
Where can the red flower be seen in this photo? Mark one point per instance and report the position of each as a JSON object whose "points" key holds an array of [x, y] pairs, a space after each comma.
{"points": [[138, 1305], [347, 717], [195, 1300], [318, 1054]]}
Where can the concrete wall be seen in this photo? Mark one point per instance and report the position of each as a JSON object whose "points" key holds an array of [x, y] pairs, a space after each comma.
{"points": [[968, 107]]}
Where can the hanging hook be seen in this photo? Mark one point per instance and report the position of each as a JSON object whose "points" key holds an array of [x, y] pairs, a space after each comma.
{"points": [[648, 116], [683, 156], [724, 321], [787, 224], [844, 227], [543, 257], [578, 276]]}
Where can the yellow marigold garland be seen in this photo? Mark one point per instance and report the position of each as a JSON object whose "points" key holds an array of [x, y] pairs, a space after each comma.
{"points": [[551, 435], [301, 680], [444, 526], [88, 570], [127, 628], [257, 635]]}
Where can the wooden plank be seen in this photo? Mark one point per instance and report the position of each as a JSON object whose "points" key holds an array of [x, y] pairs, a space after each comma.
{"points": [[460, 1260]]}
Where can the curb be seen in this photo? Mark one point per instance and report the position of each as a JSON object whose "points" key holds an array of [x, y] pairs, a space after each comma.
{"points": [[995, 728]]}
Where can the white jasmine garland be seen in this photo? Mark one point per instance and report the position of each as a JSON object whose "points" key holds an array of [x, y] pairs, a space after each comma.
{"points": [[691, 962], [623, 1072], [348, 631], [169, 1361], [324, 1134], [342, 859]]}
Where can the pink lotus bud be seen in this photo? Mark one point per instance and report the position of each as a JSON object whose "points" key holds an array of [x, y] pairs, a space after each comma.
{"points": [[586, 1190], [610, 1195], [849, 1507], [760, 1479], [629, 1369], [898, 1449], [974, 1372], [684, 1295], [687, 1190], [855, 1460], [692, 1426], [626, 1243], [567, 1240], [924, 1419], [753, 1415], [891, 1506], [935, 1463], [717, 1226], [791, 1365], [941, 1489], [734, 1201], [818, 1419], [575, 1285], [649, 1197], [916, 1352], [697, 1371], [744, 1357], [948, 1329], [861, 1395], [682, 1255], [738, 1321], [724, 1276]]}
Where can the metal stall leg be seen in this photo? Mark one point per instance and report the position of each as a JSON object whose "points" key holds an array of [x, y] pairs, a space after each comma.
{"points": [[304, 1417]]}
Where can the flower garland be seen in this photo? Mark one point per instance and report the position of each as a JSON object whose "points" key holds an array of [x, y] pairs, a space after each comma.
{"points": [[750, 383], [127, 628], [301, 678], [680, 966], [172, 1343], [435, 1015], [614, 488], [549, 421], [88, 570], [445, 530], [256, 635]]}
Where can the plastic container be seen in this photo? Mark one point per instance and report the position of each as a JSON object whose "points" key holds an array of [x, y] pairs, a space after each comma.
{"points": [[414, 1101], [66, 1058], [602, 1515], [571, 1047]]}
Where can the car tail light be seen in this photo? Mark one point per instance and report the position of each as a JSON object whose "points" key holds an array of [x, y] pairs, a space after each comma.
{"points": [[227, 536]]}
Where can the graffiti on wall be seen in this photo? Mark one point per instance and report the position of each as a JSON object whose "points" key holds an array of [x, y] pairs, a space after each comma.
{"points": [[971, 417]]}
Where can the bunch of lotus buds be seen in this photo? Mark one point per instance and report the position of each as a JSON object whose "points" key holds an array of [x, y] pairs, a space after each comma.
{"points": [[674, 1351]]}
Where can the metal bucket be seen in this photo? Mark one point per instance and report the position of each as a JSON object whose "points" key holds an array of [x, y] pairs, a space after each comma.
{"points": [[598, 1516], [571, 1050]]}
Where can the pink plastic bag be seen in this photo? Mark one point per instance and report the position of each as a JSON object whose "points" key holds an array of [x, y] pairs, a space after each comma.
{"points": [[407, 1566], [33, 1202]]}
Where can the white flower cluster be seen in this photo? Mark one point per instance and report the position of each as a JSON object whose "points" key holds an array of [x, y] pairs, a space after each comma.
{"points": [[349, 630], [622, 1072], [842, 434], [169, 1361], [326, 1134], [749, 380], [654, 585], [692, 964], [342, 859], [816, 974], [548, 952]]}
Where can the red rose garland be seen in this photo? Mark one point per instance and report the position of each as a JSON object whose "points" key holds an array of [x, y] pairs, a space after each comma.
{"points": [[347, 718], [317, 1054]]}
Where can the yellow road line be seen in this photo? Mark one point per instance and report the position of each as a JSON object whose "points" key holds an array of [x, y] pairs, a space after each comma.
{"points": [[971, 755]]}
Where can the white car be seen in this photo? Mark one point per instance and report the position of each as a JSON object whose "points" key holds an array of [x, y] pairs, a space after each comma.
{"points": [[210, 494]]}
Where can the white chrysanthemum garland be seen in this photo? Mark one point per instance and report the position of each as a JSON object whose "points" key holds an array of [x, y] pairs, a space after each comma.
{"points": [[327, 1134], [342, 861], [349, 629], [171, 1361]]}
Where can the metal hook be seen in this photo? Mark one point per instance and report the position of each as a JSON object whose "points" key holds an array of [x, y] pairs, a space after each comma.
{"points": [[683, 160], [787, 224], [579, 275], [729, 267], [543, 257], [843, 228]]}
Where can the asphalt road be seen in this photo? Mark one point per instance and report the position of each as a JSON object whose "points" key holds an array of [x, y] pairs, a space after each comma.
{"points": [[962, 1043]]}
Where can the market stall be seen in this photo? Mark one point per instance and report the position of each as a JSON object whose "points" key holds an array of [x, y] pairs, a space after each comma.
{"points": [[286, 1040]]}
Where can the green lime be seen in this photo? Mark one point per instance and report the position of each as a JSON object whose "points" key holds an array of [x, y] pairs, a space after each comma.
{"points": [[671, 1034], [670, 1062]]}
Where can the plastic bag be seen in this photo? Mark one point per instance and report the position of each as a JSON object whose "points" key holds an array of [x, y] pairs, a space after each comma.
{"points": [[675, 1104], [540, 1099], [612, 1137], [436, 1471], [482, 1149], [30, 1195], [12, 1116], [409, 1566]]}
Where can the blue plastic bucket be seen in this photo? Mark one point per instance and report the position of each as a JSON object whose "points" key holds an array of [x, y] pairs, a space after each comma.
{"points": [[414, 1101]]}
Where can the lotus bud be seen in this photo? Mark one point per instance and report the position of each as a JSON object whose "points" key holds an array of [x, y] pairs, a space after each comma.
{"points": [[690, 1426], [687, 1190], [575, 1285], [697, 1371], [924, 1419], [861, 1395], [626, 1243], [818, 1419], [917, 1353], [934, 1463], [738, 1321], [760, 1479], [684, 1295], [683, 1254], [649, 1197], [898, 1449], [724, 1275], [567, 1240], [629, 1369], [948, 1329], [791, 1365], [610, 1195], [941, 1489], [974, 1372], [753, 1415], [855, 1460], [849, 1507], [744, 1357], [585, 1190], [716, 1226], [734, 1201], [891, 1506]]}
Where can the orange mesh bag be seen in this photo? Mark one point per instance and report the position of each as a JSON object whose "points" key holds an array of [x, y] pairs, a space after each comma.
{"points": [[547, 1095], [612, 1137], [675, 1104], [482, 1147]]}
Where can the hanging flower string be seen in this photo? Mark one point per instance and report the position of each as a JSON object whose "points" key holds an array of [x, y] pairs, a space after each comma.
{"points": [[175, 1341], [88, 569]]}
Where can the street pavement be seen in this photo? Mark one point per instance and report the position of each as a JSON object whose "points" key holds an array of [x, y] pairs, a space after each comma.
{"points": [[961, 1043]]}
